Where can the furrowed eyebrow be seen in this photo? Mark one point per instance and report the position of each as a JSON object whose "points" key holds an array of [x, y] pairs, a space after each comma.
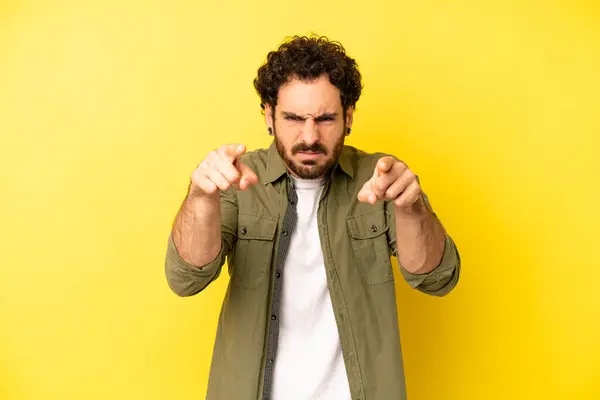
{"points": [[326, 116], [291, 115], [322, 117]]}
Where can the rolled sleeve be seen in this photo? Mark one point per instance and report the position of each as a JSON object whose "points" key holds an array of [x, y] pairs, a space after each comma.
{"points": [[441, 280], [186, 279]]}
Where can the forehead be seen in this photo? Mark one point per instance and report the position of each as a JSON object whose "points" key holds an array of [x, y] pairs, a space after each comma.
{"points": [[309, 97]]}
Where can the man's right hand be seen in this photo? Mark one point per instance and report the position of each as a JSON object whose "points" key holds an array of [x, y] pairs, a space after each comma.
{"points": [[222, 169]]}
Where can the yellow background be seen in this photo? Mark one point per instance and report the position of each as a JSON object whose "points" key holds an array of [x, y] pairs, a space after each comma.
{"points": [[107, 106]]}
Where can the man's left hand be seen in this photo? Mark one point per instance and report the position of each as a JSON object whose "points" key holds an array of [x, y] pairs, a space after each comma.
{"points": [[392, 180]]}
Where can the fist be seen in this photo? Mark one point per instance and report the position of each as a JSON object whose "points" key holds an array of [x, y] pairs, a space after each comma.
{"points": [[221, 170], [393, 181]]}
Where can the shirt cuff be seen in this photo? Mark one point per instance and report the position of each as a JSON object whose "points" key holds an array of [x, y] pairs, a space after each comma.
{"points": [[186, 279]]}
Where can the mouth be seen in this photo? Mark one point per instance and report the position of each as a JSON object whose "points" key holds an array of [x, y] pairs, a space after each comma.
{"points": [[309, 155]]}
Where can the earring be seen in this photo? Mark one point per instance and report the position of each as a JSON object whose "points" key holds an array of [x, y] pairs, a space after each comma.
{"points": [[348, 130], [270, 131]]}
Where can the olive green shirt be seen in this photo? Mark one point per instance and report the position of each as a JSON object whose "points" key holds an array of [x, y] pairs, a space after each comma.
{"points": [[358, 240]]}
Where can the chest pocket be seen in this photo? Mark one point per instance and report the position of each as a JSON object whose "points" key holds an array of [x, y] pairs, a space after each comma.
{"points": [[251, 258], [368, 235]]}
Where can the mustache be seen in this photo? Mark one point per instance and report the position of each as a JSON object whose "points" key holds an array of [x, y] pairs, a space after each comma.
{"points": [[314, 148]]}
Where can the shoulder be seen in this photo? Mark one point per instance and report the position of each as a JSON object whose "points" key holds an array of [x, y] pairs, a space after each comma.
{"points": [[257, 159], [364, 156], [256, 156], [362, 162]]}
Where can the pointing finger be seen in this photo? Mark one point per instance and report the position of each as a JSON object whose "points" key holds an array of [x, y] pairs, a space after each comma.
{"points": [[365, 191], [366, 194], [249, 178], [232, 152], [384, 164]]}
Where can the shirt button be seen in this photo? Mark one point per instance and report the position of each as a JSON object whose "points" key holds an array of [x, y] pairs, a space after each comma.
{"points": [[277, 274], [273, 317], [270, 361], [243, 231], [285, 233], [374, 228]]}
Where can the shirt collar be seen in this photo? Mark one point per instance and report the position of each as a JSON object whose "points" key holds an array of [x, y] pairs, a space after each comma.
{"points": [[276, 167]]}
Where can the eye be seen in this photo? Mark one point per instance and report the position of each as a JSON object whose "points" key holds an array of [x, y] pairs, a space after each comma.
{"points": [[293, 118], [325, 119]]}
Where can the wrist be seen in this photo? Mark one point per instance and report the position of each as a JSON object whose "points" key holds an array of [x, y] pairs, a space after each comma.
{"points": [[198, 196], [417, 209]]}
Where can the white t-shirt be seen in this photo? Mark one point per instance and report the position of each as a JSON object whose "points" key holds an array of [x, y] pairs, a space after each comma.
{"points": [[309, 362]]}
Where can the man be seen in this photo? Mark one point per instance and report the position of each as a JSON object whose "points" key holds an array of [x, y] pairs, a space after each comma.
{"points": [[308, 227]]}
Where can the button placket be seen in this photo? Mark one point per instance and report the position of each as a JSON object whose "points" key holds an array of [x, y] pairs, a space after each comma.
{"points": [[289, 222]]}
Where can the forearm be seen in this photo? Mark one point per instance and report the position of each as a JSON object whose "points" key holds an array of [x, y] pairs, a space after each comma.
{"points": [[197, 229], [420, 238]]}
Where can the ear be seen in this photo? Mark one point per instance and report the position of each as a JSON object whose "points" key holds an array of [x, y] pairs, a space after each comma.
{"points": [[269, 115], [349, 117]]}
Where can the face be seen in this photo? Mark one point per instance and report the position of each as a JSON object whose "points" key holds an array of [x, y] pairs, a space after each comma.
{"points": [[309, 126]]}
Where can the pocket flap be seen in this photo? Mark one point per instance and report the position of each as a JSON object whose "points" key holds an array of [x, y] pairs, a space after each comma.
{"points": [[368, 225], [256, 227]]}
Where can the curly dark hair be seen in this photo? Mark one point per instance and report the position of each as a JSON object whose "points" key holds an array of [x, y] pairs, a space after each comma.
{"points": [[307, 58]]}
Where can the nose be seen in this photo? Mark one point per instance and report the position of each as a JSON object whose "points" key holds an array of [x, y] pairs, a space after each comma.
{"points": [[310, 132]]}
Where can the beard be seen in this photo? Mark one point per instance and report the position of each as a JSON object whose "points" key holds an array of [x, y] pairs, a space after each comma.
{"points": [[309, 169]]}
